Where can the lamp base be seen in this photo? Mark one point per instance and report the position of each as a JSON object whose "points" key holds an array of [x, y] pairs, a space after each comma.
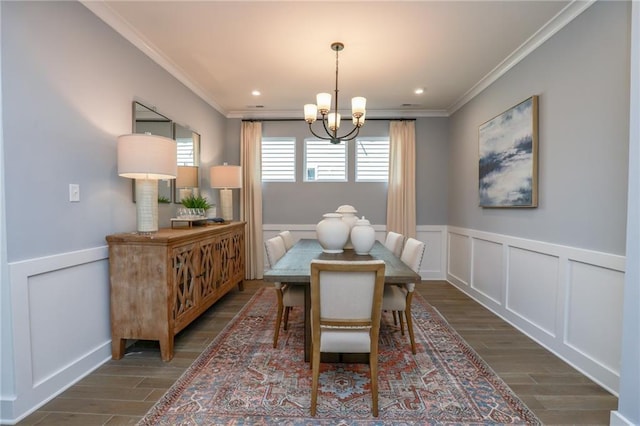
{"points": [[146, 205], [226, 204]]}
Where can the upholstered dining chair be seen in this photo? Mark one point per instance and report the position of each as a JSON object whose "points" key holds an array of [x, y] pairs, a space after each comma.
{"points": [[394, 242], [289, 296], [397, 298], [346, 300], [288, 239]]}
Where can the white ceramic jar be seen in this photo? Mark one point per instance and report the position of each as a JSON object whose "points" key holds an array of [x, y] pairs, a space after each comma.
{"points": [[363, 236], [332, 233], [349, 217]]}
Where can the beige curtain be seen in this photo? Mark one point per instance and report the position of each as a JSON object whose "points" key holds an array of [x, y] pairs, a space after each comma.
{"points": [[251, 206], [401, 195]]}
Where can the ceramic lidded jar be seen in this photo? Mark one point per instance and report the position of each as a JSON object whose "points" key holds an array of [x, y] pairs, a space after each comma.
{"points": [[332, 233], [349, 217], [363, 236]]}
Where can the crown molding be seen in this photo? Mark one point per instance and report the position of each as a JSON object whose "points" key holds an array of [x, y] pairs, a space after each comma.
{"points": [[297, 114], [555, 24], [103, 11]]}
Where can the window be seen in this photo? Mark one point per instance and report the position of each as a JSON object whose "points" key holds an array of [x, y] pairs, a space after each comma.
{"points": [[186, 152], [372, 160], [278, 159], [324, 161]]}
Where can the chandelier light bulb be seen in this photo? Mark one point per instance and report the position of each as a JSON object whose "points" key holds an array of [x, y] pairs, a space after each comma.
{"points": [[334, 121], [358, 106], [324, 102], [310, 113]]}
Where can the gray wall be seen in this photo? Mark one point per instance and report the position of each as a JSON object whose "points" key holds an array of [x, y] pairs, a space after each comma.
{"points": [[582, 78], [67, 94], [305, 202]]}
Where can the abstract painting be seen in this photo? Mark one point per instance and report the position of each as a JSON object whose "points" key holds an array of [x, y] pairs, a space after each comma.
{"points": [[508, 146]]}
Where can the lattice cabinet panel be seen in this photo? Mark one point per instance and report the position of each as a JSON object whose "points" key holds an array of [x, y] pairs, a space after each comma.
{"points": [[208, 266], [184, 262], [161, 282]]}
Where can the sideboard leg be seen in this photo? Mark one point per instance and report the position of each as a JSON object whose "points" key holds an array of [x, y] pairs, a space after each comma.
{"points": [[241, 285], [117, 347], [166, 348]]}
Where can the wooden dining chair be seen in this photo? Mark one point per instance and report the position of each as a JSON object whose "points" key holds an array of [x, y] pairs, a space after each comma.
{"points": [[397, 298], [346, 301], [288, 239], [394, 242], [289, 296]]}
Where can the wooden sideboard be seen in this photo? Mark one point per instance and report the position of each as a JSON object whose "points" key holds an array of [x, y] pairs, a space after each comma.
{"points": [[163, 281]]}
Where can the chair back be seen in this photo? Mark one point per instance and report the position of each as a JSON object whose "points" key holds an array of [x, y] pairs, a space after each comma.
{"points": [[275, 250], [288, 239], [394, 242], [347, 295], [412, 254]]}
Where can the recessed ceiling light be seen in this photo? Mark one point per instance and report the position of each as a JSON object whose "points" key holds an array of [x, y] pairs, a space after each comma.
{"points": [[255, 93], [419, 91]]}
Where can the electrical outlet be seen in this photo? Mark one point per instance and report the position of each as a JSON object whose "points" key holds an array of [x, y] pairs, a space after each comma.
{"points": [[74, 192]]}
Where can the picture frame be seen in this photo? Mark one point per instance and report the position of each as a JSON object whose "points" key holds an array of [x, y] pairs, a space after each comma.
{"points": [[508, 158]]}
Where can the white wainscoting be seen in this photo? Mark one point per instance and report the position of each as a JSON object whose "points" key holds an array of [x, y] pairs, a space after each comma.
{"points": [[567, 299], [433, 263], [61, 328]]}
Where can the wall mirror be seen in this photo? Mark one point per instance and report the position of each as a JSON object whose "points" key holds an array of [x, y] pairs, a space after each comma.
{"points": [[188, 179], [147, 120]]}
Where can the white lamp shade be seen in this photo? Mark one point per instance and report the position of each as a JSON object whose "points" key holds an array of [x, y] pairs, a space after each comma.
{"points": [[358, 105], [310, 113], [323, 101], [187, 177], [334, 121], [359, 122], [226, 176], [142, 156]]}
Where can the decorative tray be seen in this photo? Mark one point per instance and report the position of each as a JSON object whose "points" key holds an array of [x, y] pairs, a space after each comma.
{"points": [[188, 221]]}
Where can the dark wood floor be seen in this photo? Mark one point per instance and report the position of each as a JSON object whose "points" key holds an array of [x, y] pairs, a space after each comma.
{"points": [[121, 392]]}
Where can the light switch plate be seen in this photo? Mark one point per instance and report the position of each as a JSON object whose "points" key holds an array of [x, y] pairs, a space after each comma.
{"points": [[74, 192]]}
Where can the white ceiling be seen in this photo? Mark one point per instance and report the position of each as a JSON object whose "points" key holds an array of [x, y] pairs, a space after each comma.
{"points": [[225, 49]]}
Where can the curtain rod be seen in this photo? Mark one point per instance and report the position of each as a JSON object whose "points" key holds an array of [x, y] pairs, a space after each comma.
{"points": [[302, 120]]}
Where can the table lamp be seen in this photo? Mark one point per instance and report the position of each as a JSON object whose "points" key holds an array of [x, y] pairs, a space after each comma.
{"points": [[147, 158], [225, 178], [187, 181]]}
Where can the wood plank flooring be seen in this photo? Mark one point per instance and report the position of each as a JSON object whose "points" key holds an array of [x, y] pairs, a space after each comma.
{"points": [[121, 392]]}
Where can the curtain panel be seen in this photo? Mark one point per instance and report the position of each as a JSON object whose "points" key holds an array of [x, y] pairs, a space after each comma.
{"points": [[401, 195], [251, 206]]}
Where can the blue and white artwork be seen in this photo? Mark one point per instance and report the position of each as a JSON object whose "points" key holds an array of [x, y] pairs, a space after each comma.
{"points": [[508, 157]]}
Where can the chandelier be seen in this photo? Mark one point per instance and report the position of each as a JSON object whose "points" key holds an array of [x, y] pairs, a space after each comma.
{"points": [[331, 120]]}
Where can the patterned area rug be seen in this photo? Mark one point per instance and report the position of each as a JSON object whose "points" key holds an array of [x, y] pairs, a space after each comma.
{"points": [[240, 379]]}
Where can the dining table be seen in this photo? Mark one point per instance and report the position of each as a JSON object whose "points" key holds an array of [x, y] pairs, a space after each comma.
{"points": [[294, 268]]}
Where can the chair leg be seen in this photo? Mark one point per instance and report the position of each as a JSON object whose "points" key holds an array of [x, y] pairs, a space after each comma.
{"points": [[373, 368], [276, 331], [407, 314], [401, 320], [395, 317], [315, 367], [286, 317]]}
